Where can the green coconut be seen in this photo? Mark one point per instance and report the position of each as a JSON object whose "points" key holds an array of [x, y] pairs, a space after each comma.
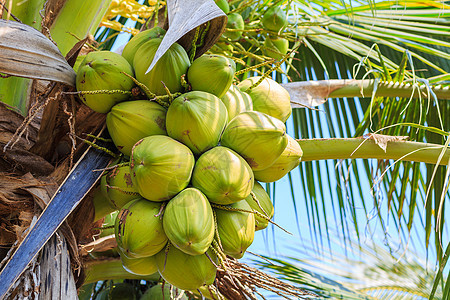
{"points": [[164, 291], [119, 291], [274, 19], [212, 73], [205, 292], [139, 266], [78, 62], [263, 205], [138, 40], [196, 119], [160, 167], [167, 71], [103, 182], [186, 272], [268, 97], [102, 204], [236, 228], [108, 221], [258, 138], [222, 47], [276, 47], [102, 70], [223, 176], [118, 186], [235, 21], [130, 121], [189, 222], [236, 101], [223, 5], [288, 160], [139, 229]]}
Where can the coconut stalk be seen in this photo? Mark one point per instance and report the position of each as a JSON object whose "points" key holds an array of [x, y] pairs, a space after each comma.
{"points": [[378, 147], [111, 269], [314, 93]]}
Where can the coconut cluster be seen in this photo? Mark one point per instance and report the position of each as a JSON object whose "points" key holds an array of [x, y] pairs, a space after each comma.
{"points": [[273, 21], [190, 192]]}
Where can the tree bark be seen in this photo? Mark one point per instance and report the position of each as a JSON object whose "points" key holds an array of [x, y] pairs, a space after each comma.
{"points": [[57, 280]]}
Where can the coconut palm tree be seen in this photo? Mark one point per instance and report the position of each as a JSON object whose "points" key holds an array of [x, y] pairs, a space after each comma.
{"points": [[371, 69]]}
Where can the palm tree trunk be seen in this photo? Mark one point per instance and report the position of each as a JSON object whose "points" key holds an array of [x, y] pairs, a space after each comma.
{"points": [[57, 280]]}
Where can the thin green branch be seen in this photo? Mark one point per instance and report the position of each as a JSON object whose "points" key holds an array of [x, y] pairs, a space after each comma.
{"points": [[112, 269], [352, 148], [317, 91]]}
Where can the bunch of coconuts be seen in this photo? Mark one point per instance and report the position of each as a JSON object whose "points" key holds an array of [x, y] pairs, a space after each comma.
{"points": [[196, 149], [273, 20]]}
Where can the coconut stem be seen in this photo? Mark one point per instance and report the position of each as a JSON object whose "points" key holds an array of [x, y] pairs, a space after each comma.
{"points": [[163, 100], [156, 11], [98, 138], [369, 148], [141, 85], [210, 259], [166, 253], [223, 207], [169, 95], [267, 74], [219, 253], [216, 229], [114, 167], [121, 190], [166, 100], [259, 204], [252, 68], [198, 37], [112, 269], [184, 83], [194, 45], [103, 227], [245, 52], [202, 37], [96, 92], [161, 210], [93, 145]]}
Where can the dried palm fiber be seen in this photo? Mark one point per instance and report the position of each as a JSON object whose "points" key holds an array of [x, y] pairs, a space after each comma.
{"points": [[240, 281]]}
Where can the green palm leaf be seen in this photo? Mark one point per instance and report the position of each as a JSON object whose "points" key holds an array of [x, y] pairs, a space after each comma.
{"points": [[400, 41], [369, 272]]}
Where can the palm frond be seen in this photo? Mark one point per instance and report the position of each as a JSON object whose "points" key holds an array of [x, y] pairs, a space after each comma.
{"points": [[369, 271], [410, 54]]}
